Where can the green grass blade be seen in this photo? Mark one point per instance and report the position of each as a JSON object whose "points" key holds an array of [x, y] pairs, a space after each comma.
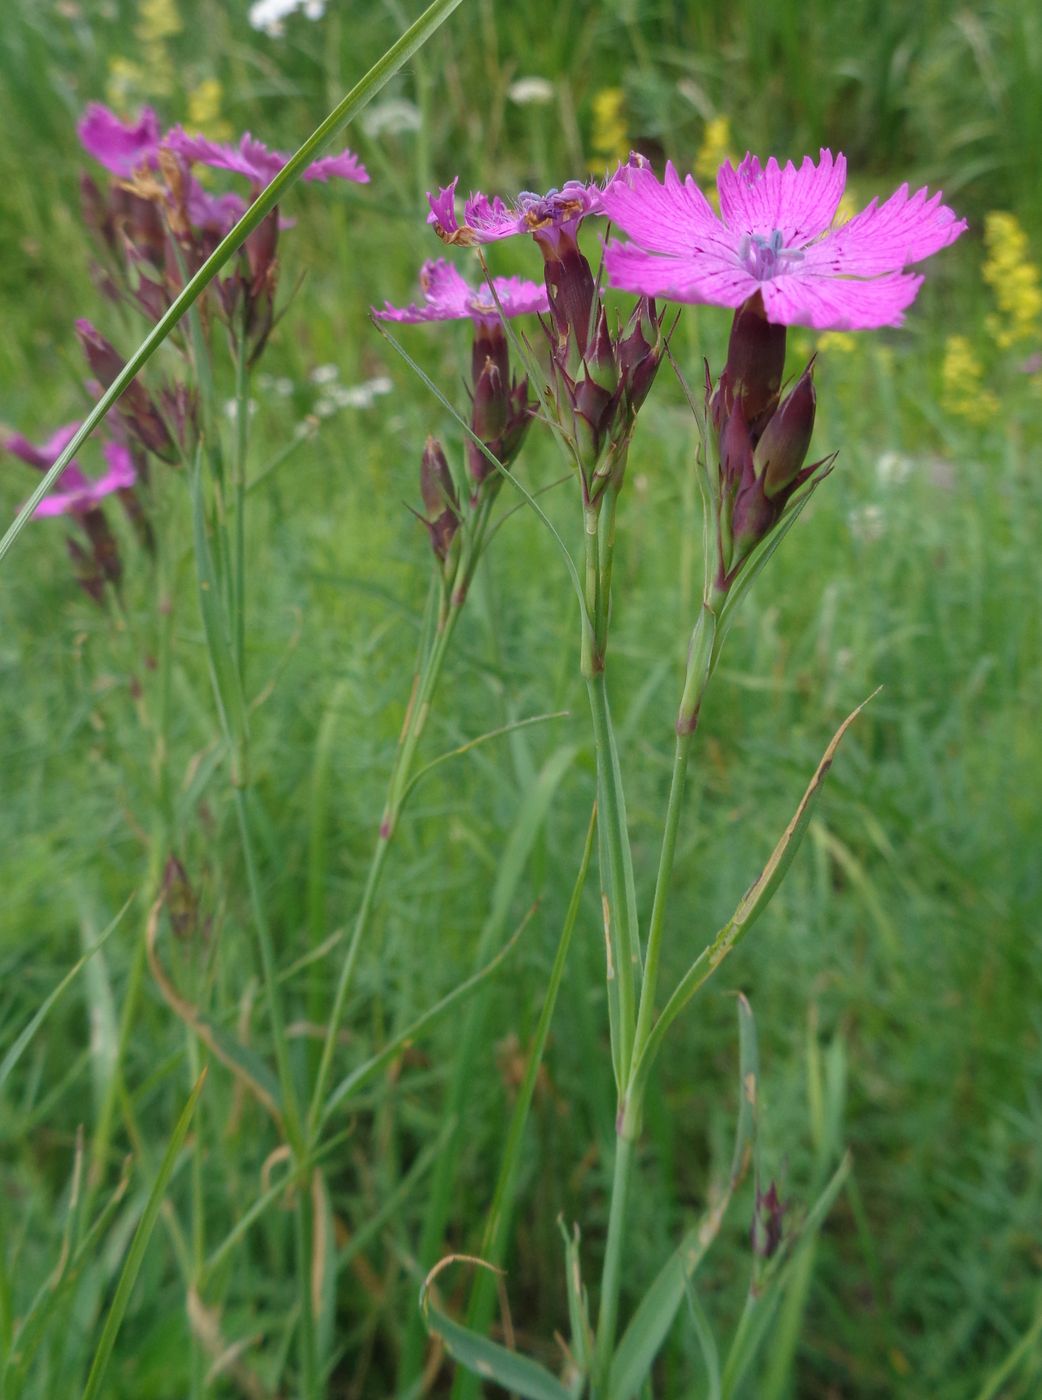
{"points": [[497, 1228], [361, 1075], [136, 1253], [17, 1049], [752, 904], [643, 1338], [381, 72], [492, 1362]]}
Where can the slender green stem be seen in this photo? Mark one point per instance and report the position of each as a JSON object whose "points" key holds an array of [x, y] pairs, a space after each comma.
{"points": [[611, 1277], [697, 677], [412, 732], [242, 435], [494, 1238], [621, 936], [310, 1385], [287, 1086]]}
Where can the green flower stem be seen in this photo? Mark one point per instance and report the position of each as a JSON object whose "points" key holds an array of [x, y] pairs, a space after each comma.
{"points": [[397, 789], [611, 1276], [700, 655], [242, 435], [631, 1111]]}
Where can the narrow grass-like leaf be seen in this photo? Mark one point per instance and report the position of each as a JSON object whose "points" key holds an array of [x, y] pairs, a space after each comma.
{"points": [[1025, 1349], [497, 1227], [17, 1048], [488, 1360], [643, 1338], [578, 1302], [139, 1244], [752, 904], [57, 1291], [361, 1075], [706, 1342], [244, 1063], [363, 92], [476, 743], [531, 815]]}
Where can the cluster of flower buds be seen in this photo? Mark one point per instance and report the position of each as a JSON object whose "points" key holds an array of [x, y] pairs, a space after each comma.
{"points": [[601, 380], [501, 411], [156, 224], [599, 377], [95, 557], [144, 422], [761, 437]]}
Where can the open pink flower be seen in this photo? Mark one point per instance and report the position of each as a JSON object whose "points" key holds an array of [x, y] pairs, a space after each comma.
{"points": [[487, 220], [121, 147], [448, 296], [775, 236], [254, 160], [76, 494]]}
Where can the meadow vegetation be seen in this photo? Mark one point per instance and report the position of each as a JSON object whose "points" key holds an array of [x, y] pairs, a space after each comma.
{"points": [[896, 979]]}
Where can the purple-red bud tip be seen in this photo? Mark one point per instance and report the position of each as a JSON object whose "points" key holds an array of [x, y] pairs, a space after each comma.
{"points": [[782, 448]]}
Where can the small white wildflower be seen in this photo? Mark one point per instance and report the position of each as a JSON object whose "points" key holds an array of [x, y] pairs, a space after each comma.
{"points": [[866, 523], [362, 395], [531, 92], [231, 409], [893, 469], [391, 118], [324, 374], [269, 15]]}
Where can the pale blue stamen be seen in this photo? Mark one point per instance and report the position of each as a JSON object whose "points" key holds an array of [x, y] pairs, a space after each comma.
{"points": [[766, 257]]}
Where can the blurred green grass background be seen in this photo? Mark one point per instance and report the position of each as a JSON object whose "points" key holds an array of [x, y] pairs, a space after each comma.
{"points": [[901, 960]]}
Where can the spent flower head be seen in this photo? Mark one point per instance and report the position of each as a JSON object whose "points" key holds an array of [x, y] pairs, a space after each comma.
{"points": [[448, 296], [775, 236]]}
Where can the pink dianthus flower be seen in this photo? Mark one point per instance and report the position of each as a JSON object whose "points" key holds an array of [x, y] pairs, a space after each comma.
{"points": [[775, 235]]}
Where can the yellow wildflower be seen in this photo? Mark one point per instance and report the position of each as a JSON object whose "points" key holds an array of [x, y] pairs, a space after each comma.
{"points": [[842, 341], [158, 20], [962, 383], [609, 140], [714, 150], [204, 110], [1013, 279], [125, 85]]}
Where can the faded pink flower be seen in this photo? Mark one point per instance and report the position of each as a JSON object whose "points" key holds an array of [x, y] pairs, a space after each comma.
{"points": [[76, 494], [254, 160], [774, 235], [487, 220], [121, 147], [448, 296]]}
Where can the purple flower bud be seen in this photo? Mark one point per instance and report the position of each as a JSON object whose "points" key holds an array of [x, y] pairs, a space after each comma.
{"points": [[135, 406], [782, 448], [571, 292], [768, 1222], [489, 416], [602, 364], [440, 499], [182, 902], [640, 352], [736, 451], [490, 343], [88, 575], [753, 372]]}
